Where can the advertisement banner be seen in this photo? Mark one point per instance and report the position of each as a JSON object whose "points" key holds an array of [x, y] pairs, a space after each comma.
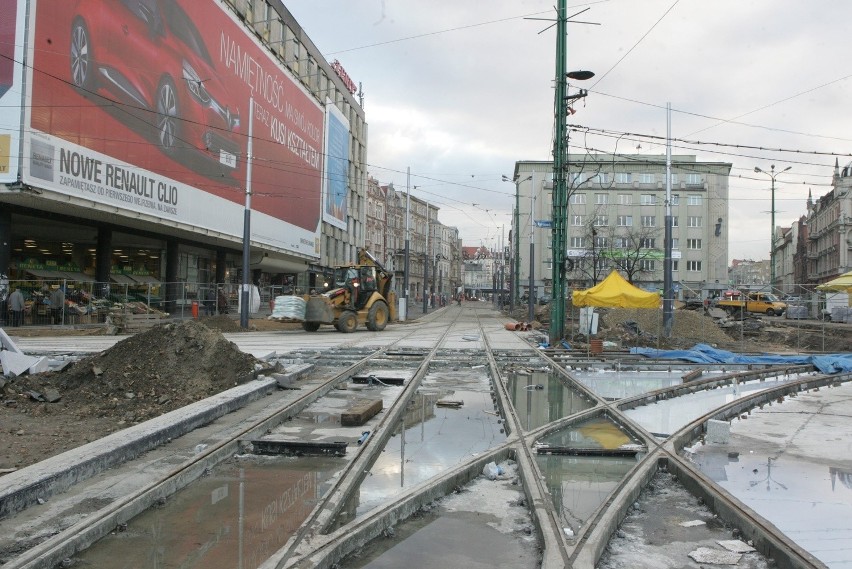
{"points": [[145, 106], [11, 56], [336, 179]]}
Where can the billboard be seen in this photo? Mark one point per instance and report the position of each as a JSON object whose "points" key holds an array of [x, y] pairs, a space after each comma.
{"points": [[11, 54], [336, 178], [147, 106]]}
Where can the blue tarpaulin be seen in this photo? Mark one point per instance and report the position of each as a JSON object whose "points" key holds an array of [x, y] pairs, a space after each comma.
{"points": [[704, 354]]}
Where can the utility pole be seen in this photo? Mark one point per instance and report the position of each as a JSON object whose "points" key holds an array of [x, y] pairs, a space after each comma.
{"points": [[531, 292], [407, 242], [560, 171], [668, 293], [772, 173], [560, 189]]}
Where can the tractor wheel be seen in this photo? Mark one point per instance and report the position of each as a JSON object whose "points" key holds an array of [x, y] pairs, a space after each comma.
{"points": [[311, 326], [347, 322], [377, 318]]}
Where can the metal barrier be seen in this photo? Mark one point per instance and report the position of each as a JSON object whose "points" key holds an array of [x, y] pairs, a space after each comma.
{"points": [[91, 303]]}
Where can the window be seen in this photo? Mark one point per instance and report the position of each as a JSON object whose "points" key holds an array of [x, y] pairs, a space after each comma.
{"points": [[646, 178], [601, 242], [693, 243], [674, 221], [649, 221], [602, 263], [674, 264], [622, 242], [675, 243], [693, 221], [624, 199], [576, 220], [601, 199], [578, 242], [693, 265], [623, 177], [647, 242], [601, 221], [693, 179], [625, 221], [674, 179], [647, 264], [693, 200], [648, 199], [578, 199], [578, 178], [675, 199]]}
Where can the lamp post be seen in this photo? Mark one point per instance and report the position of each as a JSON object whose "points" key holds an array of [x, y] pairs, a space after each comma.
{"points": [[516, 234], [772, 173]]}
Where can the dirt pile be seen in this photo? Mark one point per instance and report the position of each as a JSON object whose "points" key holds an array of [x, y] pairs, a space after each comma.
{"points": [[141, 377], [642, 327]]}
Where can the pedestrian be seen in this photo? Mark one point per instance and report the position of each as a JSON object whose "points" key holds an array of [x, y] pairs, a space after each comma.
{"points": [[210, 300], [16, 307], [222, 302], [57, 304]]}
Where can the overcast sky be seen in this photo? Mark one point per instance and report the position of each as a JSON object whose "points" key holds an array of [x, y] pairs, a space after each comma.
{"points": [[458, 91]]}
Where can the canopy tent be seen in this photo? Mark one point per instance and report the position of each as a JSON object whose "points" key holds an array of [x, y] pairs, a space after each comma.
{"points": [[614, 291], [843, 283]]}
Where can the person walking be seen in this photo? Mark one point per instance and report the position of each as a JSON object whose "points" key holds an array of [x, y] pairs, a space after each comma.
{"points": [[16, 307], [57, 304]]}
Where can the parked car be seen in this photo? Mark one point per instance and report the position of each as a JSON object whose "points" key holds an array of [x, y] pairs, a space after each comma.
{"points": [[545, 299], [150, 55]]}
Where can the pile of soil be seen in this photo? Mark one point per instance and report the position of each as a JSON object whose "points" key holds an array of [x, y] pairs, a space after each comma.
{"points": [[638, 327], [141, 377]]}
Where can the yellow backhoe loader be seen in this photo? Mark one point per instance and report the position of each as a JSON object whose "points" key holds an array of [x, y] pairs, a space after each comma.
{"points": [[357, 294]]}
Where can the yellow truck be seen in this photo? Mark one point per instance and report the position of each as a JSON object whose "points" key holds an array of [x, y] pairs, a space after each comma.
{"points": [[736, 303]]}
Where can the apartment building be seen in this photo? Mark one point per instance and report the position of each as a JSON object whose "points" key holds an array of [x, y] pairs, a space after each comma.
{"points": [[616, 220]]}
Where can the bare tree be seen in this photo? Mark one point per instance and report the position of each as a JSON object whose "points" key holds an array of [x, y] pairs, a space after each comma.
{"points": [[606, 243]]}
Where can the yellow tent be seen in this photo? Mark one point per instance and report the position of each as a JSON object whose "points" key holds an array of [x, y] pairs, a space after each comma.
{"points": [[614, 291], [843, 283]]}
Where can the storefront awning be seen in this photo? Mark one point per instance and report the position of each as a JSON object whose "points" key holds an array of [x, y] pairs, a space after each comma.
{"points": [[42, 274], [145, 279], [79, 277], [122, 279]]}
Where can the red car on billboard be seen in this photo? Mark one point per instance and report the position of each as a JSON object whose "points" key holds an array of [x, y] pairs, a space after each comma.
{"points": [[9, 9], [149, 55]]}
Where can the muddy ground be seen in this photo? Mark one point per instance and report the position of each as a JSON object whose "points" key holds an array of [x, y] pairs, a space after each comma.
{"points": [[173, 365]]}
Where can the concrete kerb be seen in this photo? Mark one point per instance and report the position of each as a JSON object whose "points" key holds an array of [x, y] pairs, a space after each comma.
{"points": [[327, 550], [23, 488]]}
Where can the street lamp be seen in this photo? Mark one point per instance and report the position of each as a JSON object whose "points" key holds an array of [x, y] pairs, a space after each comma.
{"points": [[516, 233], [772, 173]]}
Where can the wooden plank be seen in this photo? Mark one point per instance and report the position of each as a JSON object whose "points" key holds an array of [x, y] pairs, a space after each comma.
{"points": [[360, 413]]}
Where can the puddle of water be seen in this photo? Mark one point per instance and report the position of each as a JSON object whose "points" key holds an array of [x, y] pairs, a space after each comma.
{"points": [[438, 542], [651, 536], [486, 524], [236, 517], [597, 433], [614, 384], [436, 438], [665, 417], [537, 407], [808, 499], [578, 485]]}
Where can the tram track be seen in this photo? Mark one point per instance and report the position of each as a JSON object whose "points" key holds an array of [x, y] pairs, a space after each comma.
{"points": [[319, 543], [67, 541]]}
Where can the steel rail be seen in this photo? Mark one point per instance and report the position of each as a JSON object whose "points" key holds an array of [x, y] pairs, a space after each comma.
{"points": [[81, 535]]}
